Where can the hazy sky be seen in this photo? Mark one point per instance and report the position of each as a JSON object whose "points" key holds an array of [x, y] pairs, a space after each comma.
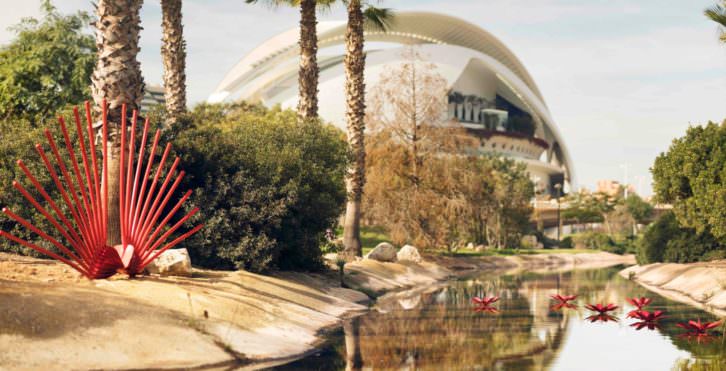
{"points": [[622, 78]]}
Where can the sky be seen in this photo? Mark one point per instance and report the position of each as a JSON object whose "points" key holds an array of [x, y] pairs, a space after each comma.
{"points": [[622, 78]]}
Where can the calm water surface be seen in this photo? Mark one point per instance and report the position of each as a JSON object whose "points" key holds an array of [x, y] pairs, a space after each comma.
{"points": [[437, 329]]}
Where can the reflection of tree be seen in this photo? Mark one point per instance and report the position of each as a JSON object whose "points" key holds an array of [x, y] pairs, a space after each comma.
{"points": [[353, 360], [443, 332]]}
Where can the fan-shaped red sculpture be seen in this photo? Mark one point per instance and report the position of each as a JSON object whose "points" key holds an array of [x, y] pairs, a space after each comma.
{"points": [[86, 193]]}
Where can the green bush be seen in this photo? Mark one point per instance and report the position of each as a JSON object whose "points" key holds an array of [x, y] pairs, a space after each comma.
{"points": [[666, 241], [19, 138], [268, 187], [566, 243]]}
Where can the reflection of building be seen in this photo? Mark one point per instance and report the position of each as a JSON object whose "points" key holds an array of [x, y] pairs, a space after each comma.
{"points": [[491, 93]]}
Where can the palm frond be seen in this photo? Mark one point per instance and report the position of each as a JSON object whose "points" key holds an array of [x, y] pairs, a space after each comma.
{"points": [[379, 18], [717, 13]]}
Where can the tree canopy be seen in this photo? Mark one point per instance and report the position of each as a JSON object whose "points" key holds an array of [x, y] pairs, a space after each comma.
{"points": [[47, 66], [691, 177]]}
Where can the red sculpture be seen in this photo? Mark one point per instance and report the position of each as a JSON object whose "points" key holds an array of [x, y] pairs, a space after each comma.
{"points": [[698, 330], [485, 304], [85, 194], [602, 312], [563, 301], [647, 319], [638, 304]]}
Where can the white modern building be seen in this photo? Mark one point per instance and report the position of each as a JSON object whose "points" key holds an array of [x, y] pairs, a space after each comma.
{"points": [[491, 93]]}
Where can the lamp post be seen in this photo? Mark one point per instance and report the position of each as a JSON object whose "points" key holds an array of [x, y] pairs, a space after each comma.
{"points": [[558, 187]]}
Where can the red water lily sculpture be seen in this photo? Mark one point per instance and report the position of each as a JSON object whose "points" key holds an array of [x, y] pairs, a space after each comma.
{"points": [[647, 319], [84, 192], [602, 312], [563, 301], [485, 304], [602, 317], [639, 304], [698, 330], [600, 308]]}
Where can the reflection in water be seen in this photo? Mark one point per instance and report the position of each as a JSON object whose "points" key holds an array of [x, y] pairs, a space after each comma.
{"points": [[437, 329]]}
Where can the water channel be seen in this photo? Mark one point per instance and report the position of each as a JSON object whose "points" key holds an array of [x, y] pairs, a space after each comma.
{"points": [[437, 328]]}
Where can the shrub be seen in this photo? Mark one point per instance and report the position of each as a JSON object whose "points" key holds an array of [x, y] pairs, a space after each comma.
{"points": [[666, 241], [268, 187], [566, 243], [19, 137]]}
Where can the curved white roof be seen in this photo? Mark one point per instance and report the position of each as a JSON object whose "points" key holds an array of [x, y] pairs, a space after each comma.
{"points": [[407, 28], [269, 72]]}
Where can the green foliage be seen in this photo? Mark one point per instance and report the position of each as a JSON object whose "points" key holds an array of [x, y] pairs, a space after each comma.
{"points": [[566, 243], [691, 176], [603, 242], [666, 241], [47, 66], [19, 137], [640, 210], [268, 187]]}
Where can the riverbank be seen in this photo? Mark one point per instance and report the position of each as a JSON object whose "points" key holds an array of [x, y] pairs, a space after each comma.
{"points": [[50, 318], [702, 285]]}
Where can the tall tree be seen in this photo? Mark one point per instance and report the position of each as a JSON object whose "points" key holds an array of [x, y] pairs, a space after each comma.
{"points": [[173, 53], [117, 80], [717, 13], [307, 107], [690, 176], [355, 114]]}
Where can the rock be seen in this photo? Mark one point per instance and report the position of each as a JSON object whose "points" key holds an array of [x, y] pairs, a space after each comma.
{"points": [[539, 246], [174, 262], [383, 252], [529, 241], [409, 253], [470, 246], [480, 248]]}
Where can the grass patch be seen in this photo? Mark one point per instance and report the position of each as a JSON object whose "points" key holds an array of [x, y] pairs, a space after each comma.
{"points": [[369, 237]]}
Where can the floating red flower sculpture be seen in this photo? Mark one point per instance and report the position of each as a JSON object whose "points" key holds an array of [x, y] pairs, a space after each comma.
{"points": [[602, 317], [639, 304], [647, 319], [602, 312], [85, 194], [601, 309], [563, 301], [698, 330], [485, 304]]}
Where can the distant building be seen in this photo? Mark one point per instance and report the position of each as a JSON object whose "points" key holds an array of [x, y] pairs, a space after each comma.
{"points": [[490, 91], [153, 95], [612, 187]]}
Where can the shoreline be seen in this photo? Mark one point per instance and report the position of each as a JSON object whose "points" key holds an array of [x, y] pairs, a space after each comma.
{"points": [[56, 320], [701, 285]]}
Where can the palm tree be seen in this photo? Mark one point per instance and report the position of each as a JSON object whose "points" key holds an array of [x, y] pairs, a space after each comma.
{"points": [[117, 80], [173, 53], [307, 107], [717, 13], [355, 114]]}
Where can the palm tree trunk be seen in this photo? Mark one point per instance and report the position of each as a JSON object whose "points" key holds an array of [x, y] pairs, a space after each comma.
{"points": [[355, 115], [308, 75], [173, 53], [117, 79]]}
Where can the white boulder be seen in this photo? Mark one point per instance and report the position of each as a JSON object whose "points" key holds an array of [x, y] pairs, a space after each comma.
{"points": [[174, 262], [383, 252], [409, 253]]}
